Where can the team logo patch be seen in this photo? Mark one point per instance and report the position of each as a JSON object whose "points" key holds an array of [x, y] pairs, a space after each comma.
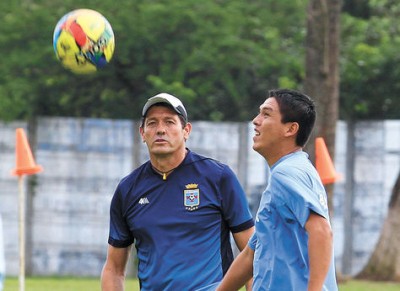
{"points": [[322, 200], [191, 197]]}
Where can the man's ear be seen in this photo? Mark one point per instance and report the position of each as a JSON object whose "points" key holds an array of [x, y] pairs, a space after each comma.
{"points": [[187, 129], [292, 128], [141, 130]]}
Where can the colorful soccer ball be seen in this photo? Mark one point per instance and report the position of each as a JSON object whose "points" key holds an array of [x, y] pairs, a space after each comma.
{"points": [[83, 41]]}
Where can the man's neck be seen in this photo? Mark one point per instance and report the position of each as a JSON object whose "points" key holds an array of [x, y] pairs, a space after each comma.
{"points": [[166, 163]]}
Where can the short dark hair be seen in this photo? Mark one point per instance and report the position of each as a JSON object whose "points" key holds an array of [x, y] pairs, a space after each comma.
{"points": [[295, 106]]}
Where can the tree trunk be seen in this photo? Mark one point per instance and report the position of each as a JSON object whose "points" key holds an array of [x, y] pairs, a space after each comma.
{"points": [[30, 196], [322, 71], [384, 263]]}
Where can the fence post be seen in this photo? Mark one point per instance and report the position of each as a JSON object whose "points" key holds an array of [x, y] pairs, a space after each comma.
{"points": [[348, 201], [242, 154]]}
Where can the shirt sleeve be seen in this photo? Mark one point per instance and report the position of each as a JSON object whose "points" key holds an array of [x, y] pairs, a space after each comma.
{"points": [[235, 207], [300, 195], [119, 235], [253, 241]]}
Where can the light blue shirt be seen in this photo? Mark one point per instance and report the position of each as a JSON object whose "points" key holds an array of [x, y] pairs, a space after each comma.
{"points": [[281, 241]]}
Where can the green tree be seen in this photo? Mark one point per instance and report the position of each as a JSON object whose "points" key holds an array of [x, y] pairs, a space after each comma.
{"points": [[219, 56], [322, 71], [370, 85]]}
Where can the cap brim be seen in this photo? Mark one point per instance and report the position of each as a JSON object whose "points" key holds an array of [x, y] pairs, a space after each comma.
{"points": [[155, 100], [166, 98]]}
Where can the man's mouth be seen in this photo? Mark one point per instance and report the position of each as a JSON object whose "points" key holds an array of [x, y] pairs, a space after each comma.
{"points": [[160, 140]]}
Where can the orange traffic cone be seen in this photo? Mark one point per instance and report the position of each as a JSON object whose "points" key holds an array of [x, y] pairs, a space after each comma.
{"points": [[323, 163], [25, 164]]}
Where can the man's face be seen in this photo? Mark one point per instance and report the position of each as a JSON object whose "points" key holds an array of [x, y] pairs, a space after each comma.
{"points": [[269, 130], [162, 131]]}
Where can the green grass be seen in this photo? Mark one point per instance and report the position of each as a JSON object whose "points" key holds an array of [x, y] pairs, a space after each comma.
{"points": [[62, 284], [93, 284], [369, 286]]}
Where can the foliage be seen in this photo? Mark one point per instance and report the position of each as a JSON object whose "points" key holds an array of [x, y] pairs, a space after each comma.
{"points": [[219, 56], [370, 83]]}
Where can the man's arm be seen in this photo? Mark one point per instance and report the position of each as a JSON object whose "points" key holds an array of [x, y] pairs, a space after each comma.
{"points": [[113, 274], [242, 238], [320, 247], [240, 272]]}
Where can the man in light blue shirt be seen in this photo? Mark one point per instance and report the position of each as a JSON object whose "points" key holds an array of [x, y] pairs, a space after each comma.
{"points": [[292, 248]]}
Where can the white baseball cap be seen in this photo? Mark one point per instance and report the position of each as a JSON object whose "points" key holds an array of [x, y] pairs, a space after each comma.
{"points": [[174, 102]]}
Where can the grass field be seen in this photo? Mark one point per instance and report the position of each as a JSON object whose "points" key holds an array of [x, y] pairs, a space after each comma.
{"points": [[62, 284], [93, 284]]}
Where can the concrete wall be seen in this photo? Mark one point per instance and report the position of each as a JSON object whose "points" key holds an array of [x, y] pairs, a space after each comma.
{"points": [[83, 160], [376, 162]]}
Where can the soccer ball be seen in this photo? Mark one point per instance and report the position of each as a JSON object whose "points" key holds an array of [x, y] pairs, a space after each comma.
{"points": [[83, 41]]}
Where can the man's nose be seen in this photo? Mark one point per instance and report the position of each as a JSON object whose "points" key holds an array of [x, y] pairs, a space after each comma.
{"points": [[160, 128]]}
